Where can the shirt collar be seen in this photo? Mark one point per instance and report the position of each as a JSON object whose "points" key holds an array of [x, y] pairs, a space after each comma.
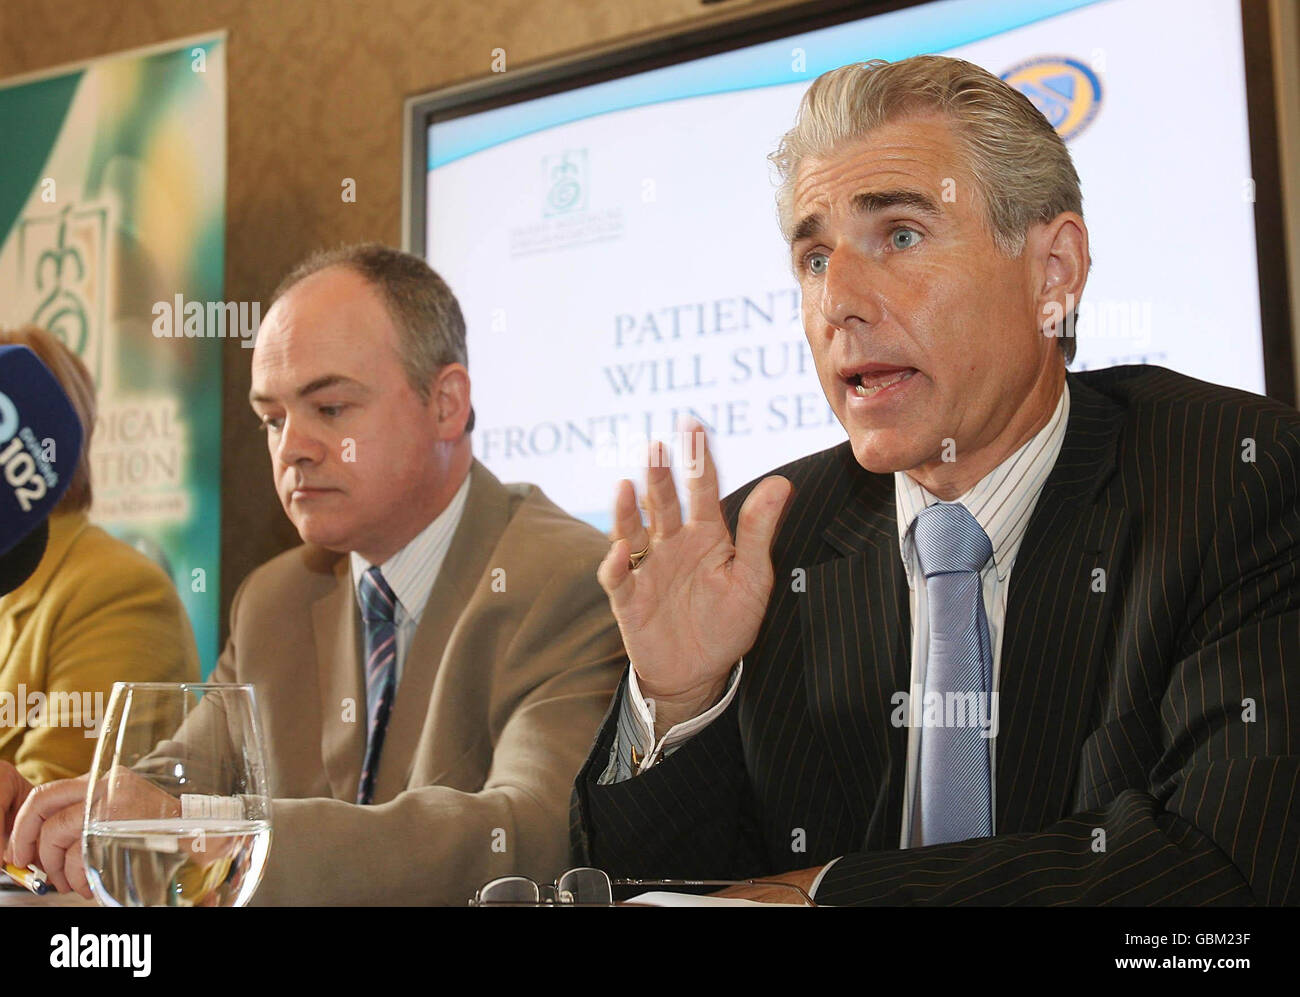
{"points": [[1001, 501], [411, 572]]}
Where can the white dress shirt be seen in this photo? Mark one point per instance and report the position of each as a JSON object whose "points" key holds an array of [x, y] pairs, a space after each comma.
{"points": [[1001, 502], [411, 572]]}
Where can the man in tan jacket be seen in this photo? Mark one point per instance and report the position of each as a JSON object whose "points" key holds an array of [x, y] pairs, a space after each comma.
{"points": [[432, 663]]}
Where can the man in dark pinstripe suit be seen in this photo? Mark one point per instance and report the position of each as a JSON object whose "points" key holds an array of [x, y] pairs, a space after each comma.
{"points": [[1126, 619]]}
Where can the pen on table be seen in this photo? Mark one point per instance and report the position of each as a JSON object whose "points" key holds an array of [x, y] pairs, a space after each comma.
{"points": [[30, 878]]}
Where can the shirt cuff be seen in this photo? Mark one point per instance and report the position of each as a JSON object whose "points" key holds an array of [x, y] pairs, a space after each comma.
{"points": [[636, 725], [812, 890]]}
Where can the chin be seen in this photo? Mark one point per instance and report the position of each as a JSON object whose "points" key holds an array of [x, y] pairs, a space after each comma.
{"points": [[314, 532], [884, 456]]}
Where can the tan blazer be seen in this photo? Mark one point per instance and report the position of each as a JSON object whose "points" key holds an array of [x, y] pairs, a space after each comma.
{"points": [[96, 611], [508, 675]]}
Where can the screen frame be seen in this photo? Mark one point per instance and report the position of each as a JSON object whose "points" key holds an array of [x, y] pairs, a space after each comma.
{"points": [[721, 33]]}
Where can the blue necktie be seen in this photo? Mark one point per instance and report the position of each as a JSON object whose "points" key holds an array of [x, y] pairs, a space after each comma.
{"points": [[956, 773], [378, 610]]}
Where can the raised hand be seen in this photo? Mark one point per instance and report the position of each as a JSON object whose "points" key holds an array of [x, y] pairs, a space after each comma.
{"points": [[692, 606]]}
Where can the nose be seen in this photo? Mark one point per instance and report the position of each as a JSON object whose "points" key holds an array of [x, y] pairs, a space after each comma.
{"points": [[850, 290], [298, 445]]}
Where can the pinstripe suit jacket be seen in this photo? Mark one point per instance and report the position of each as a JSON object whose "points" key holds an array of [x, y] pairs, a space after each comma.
{"points": [[1149, 741]]}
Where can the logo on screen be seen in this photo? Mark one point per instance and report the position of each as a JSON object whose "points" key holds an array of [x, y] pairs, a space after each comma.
{"points": [[1066, 91], [565, 181]]}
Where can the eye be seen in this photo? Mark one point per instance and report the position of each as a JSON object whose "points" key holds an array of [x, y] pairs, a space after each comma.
{"points": [[270, 424], [816, 263], [904, 238], [330, 411]]}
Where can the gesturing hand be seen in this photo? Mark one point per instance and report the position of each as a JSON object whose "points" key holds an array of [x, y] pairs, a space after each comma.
{"points": [[693, 605]]}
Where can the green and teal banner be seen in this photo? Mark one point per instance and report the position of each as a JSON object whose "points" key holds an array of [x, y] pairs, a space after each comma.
{"points": [[112, 223]]}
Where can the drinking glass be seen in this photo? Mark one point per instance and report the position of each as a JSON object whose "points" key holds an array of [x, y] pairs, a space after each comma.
{"points": [[178, 809]]}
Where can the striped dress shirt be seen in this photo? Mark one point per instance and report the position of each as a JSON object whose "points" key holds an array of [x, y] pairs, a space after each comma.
{"points": [[411, 572]]}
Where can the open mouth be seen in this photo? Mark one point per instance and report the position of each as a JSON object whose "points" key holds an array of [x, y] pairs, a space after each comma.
{"points": [[873, 380]]}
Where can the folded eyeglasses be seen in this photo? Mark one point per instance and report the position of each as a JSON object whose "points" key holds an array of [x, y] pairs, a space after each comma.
{"points": [[587, 887]]}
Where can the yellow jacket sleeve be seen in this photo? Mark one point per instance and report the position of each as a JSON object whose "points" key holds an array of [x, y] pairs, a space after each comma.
{"points": [[106, 614]]}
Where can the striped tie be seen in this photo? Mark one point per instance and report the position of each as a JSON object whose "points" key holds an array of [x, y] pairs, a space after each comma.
{"points": [[378, 608], [956, 783]]}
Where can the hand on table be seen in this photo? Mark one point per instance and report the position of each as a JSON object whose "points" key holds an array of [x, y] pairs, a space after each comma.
{"points": [[693, 605], [47, 829], [774, 894], [13, 791]]}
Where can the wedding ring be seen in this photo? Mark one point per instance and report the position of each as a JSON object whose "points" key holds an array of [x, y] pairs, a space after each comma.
{"points": [[637, 557]]}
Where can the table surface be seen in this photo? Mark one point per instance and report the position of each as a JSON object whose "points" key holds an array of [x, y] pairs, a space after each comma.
{"points": [[21, 898]]}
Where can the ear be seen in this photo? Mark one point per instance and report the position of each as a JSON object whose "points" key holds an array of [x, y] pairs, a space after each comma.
{"points": [[1060, 263], [449, 401]]}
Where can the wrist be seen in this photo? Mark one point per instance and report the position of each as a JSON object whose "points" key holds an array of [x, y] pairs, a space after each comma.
{"points": [[674, 707]]}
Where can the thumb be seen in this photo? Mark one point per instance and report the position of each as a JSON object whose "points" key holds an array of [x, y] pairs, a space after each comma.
{"points": [[756, 526]]}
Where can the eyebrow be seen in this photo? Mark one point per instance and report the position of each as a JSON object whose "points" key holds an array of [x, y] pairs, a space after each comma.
{"points": [[311, 387], [868, 202]]}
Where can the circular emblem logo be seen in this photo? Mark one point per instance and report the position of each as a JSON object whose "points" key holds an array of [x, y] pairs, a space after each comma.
{"points": [[1065, 90]]}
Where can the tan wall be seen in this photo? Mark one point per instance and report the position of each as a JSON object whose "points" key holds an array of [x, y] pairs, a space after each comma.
{"points": [[315, 95]]}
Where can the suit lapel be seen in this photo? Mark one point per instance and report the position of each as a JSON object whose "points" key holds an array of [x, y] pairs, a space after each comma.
{"points": [[1059, 605], [335, 622], [856, 622], [486, 513]]}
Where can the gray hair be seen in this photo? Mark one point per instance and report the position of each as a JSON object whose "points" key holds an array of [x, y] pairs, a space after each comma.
{"points": [[430, 326], [1018, 162]]}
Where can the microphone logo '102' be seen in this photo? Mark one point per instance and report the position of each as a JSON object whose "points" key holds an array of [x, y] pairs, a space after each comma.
{"points": [[25, 469], [39, 428]]}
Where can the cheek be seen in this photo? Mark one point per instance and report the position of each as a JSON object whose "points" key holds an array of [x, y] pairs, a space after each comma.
{"points": [[824, 364], [815, 334], [360, 449], [953, 321], [376, 475], [277, 466]]}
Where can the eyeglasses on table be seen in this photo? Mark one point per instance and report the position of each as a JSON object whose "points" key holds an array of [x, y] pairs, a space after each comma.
{"points": [[588, 887]]}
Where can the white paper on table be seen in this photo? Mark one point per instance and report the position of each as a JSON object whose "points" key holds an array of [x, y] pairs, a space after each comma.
{"points": [[663, 898]]}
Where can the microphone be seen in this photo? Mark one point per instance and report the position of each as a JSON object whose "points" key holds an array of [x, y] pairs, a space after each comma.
{"points": [[40, 444], [21, 562]]}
